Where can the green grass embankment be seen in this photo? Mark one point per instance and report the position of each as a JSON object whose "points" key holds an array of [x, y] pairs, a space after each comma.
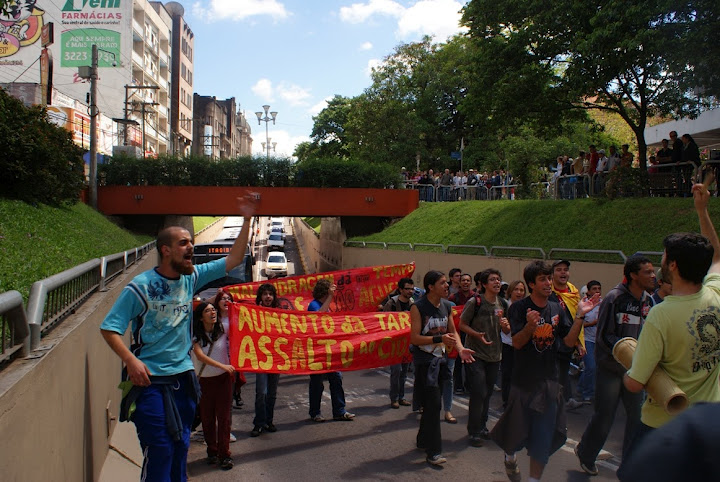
{"points": [[629, 225], [201, 222], [37, 242]]}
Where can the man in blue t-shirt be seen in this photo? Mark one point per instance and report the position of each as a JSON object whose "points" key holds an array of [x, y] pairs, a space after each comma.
{"points": [[323, 293], [160, 376]]}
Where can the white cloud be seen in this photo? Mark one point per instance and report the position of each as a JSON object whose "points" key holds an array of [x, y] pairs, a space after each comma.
{"points": [[263, 88], [360, 12], [437, 18], [317, 108], [238, 9], [293, 94], [285, 143], [366, 46], [372, 64]]}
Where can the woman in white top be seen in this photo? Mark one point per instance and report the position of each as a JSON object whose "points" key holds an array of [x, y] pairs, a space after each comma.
{"points": [[211, 348], [516, 291]]}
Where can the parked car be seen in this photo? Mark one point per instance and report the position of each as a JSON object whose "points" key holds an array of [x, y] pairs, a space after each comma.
{"points": [[276, 265], [275, 242]]}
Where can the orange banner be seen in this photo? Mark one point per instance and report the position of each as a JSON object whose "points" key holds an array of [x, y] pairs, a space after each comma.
{"points": [[307, 342], [359, 290]]}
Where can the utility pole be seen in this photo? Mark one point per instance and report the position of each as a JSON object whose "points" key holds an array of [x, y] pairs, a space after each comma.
{"points": [[93, 126]]}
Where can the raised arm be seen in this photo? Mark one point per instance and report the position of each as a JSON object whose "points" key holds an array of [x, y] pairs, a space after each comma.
{"points": [[237, 252], [702, 198]]}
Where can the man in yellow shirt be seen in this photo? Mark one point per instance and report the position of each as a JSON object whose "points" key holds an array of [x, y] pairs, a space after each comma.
{"points": [[568, 296], [682, 334]]}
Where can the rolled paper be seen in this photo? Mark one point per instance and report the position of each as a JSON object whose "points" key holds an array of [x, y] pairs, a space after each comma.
{"points": [[660, 387]]}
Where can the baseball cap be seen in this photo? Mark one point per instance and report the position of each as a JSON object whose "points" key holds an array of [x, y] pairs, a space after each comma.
{"points": [[601, 151], [561, 261]]}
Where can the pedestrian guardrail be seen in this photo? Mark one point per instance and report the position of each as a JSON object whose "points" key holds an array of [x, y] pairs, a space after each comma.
{"points": [[14, 329], [439, 248], [569, 253], [467, 249], [508, 251], [399, 246], [55, 298]]}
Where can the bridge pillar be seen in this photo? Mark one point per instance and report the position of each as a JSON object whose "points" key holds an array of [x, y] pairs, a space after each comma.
{"points": [[333, 233]]}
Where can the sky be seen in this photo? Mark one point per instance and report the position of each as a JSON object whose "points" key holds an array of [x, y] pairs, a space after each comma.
{"points": [[294, 55]]}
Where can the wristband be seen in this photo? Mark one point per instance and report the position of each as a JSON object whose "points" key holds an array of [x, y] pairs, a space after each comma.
{"points": [[437, 339], [580, 317]]}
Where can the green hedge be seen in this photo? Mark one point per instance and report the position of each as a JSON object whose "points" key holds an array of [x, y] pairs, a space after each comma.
{"points": [[245, 171]]}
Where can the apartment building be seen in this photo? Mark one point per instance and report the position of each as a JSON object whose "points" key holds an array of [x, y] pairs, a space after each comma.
{"points": [[220, 130], [181, 78], [148, 98]]}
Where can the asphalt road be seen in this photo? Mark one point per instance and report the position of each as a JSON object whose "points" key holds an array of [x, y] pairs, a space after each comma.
{"points": [[380, 443]]}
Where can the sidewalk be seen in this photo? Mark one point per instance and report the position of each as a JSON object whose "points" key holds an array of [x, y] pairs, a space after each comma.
{"points": [[124, 459]]}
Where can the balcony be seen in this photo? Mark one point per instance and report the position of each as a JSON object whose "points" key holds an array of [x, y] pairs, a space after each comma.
{"points": [[137, 31], [138, 59]]}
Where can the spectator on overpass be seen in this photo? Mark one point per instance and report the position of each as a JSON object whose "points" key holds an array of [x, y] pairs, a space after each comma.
{"points": [[158, 302], [323, 293], [265, 383]]}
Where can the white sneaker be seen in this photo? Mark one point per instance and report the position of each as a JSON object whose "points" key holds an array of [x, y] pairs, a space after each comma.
{"points": [[232, 438], [572, 404]]}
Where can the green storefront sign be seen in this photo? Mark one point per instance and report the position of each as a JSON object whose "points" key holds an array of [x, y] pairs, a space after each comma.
{"points": [[76, 47]]}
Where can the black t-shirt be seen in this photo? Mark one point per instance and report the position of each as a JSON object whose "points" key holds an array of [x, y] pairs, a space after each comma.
{"points": [[536, 361], [434, 322]]}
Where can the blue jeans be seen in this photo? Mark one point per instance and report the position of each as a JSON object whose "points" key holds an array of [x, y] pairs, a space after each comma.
{"points": [[448, 386], [398, 375], [609, 390], [164, 459], [265, 394], [586, 384], [337, 395]]}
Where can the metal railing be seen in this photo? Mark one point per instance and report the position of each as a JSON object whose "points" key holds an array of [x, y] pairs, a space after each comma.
{"points": [[14, 328], [510, 251], [584, 251], [55, 298]]}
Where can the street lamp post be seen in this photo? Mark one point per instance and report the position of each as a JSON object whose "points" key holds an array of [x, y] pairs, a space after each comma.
{"points": [[266, 119]]}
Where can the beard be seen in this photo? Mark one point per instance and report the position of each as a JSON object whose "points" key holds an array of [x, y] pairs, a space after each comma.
{"points": [[181, 268]]}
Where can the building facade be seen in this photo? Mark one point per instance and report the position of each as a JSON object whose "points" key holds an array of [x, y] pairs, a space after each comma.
{"points": [[181, 79], [220, 130]]}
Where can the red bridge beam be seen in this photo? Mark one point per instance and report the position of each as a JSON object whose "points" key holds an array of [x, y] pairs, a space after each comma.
{"points": [[281, 201]]}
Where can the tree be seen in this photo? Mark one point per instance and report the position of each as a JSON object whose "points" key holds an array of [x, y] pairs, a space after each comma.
{"points": [[39, 163], [411, 109], [624, 57], [328, 135]]}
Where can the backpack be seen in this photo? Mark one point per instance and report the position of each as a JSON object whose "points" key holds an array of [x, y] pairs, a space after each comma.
{"points": [[478, 302]]}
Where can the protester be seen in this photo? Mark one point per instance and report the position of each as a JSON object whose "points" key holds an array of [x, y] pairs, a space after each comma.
{"points": [[482, 320], [398, 372], [518, 291], [431, 330], [323, 293], [586, 383], [682, 334], [622, 314], [567, 296], [535, 416], [212, 349], [160, 378], [265, 383]]}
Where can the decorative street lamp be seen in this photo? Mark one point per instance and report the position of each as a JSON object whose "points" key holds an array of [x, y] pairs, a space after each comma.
{"points": [[266, 119]]}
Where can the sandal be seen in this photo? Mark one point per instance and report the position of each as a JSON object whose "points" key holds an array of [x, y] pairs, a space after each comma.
{"points": [[449, 418]]}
